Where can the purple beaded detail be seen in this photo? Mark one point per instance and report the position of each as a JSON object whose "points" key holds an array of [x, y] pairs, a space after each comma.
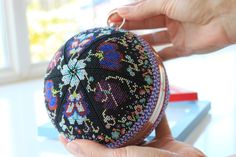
{"points": [[106, 83], [151, 103]]}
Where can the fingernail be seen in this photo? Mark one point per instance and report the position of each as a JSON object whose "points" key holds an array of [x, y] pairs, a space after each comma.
{"points": [[63, 140], [114, 17], [73, 147], [62, 137]]}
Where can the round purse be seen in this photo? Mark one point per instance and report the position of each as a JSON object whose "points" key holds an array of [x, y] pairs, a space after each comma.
{"points": [[106, 85]]}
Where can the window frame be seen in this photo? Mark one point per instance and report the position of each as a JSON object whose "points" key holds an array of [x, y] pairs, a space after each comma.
{"points": [[16, 45]]}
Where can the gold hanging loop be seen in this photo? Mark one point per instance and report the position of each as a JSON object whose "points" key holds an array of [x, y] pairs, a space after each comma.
{"points": [[114, 25]]}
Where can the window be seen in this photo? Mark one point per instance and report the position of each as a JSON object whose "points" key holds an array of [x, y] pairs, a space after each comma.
{"points": [[52, 22], [2, 60], [2, 50], [33, 31], [49, 23]]}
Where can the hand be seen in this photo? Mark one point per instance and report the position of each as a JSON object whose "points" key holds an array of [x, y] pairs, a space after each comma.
{"points": [[196, 26], [162, 146]]}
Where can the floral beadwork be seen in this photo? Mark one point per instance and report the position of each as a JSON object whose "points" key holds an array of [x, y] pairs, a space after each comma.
{"points": [[102, 85], [109, 94], [55, 60], [50, 96], [76, 104], [74, 72], [111, 58]]}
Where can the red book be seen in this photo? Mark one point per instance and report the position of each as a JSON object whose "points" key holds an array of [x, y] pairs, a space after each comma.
{"points": [[180, 94]]}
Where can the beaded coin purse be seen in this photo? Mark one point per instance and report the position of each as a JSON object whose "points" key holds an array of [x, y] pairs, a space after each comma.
{"points": [[107, 85]]}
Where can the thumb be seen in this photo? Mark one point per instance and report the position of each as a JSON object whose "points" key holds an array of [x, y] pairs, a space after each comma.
{"points": [[84, 148], [142, 10], [87, 148]]}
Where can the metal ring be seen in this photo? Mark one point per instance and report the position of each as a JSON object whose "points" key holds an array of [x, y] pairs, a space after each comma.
{"points": [[117, 27]]}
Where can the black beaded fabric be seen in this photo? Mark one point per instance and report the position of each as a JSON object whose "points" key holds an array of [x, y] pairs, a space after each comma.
{"points": [[103, 85]]}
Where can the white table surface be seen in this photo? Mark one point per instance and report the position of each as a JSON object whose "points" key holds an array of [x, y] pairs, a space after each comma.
{"points": [[212, 76]]}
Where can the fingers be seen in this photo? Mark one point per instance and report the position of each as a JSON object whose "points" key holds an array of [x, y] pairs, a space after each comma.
{"points": [[63, 140], [143, 10], [171, 53], [114, 17], [163, 134], [82, 148], [135, 151], [151, 23], [118, 18], [157, 38], [163, 128]]}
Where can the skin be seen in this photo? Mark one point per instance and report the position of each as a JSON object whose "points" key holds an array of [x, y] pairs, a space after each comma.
{"points": [[162, 146], [191, 27]]}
